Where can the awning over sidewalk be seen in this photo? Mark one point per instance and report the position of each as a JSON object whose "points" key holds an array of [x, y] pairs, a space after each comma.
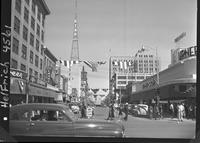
{"points": [[37, 90], [17, 86]]}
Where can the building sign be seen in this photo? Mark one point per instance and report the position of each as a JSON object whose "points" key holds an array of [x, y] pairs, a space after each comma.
{"points": [[18, 74], [149, 84], [188, 52]]}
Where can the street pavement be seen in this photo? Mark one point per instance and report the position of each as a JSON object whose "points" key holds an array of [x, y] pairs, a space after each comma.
{"points": [[139, 127]]}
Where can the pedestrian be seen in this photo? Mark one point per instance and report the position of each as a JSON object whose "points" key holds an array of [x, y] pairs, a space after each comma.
{"points": [[126, 111], [171, 107], [120, 111], [178, 112], [110, 112], [156, 111], [160, 112], [150, 112], [182, 112]]}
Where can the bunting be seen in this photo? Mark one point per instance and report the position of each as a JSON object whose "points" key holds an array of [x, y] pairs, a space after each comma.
{"points": [[68, 63]]}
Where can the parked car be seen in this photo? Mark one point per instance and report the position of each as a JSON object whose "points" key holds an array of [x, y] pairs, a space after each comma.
{"points": [[139, 110], [57, 120], [75, 108]]}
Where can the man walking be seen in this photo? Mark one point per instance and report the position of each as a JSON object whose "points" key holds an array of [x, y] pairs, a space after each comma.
{"points": [[171, 107]]}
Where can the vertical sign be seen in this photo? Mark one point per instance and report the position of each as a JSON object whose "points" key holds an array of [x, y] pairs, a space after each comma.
{"points": [[5, 65]]}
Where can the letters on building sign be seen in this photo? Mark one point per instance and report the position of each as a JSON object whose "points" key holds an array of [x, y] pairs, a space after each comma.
{"points": [[149, 84], [18, 74], [188, 52]]}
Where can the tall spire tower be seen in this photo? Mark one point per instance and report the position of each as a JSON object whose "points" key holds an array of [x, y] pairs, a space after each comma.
{"points": [[75, 47]]}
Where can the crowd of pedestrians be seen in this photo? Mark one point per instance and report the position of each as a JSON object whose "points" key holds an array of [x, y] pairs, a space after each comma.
{"points": [[178, 111]]}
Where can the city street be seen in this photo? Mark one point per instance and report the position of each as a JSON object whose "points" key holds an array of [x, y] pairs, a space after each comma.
{"points": [[138, 127]]}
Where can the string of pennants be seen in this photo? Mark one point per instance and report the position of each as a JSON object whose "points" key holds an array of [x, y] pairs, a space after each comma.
{"points": [[123, 64], [91, 64]]}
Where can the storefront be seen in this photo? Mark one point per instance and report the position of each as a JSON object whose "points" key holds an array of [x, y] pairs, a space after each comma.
{"points": [[175, 84], [21, 91]]}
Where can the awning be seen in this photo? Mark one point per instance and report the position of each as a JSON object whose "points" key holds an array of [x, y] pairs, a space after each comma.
{"points": [[17, 86], [37, 90]]}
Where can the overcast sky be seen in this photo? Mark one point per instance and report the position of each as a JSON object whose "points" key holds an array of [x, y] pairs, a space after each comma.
{"points": [[119, 28]]}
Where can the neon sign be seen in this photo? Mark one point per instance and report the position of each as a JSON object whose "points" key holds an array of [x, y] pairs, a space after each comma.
{"points": [[188, 52]]}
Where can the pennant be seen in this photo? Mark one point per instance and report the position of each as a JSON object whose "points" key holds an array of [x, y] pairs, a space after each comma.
{"points": [[121, 64], [125, 64]]}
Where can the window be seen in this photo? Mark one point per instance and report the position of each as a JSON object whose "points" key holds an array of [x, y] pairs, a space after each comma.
{"points": [[121, 82], [24, 51], [42, 36], [32, 23], [38, 30], [140, 77], [41, 64], [36, 74], [14, 64], [40, 76], [43, 20], [27, 1], [23, 67], [15, 47], [37, 45], [26, 14], [36, 60], [18, 5], [121, 77], [38, 15], [17, 25], [25, 33], [33, 7], [41, 49], [31, 57], [31, 39], [30, 71]]}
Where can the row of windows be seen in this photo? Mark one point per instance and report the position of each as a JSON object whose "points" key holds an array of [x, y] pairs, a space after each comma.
{"points": [[14, 64], [18, 5], [150, 56], [15, 48], [25, 30]]}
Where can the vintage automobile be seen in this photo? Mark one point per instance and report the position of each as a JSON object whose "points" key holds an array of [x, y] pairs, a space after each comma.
{"points": [[57, 120], [139, 110]]}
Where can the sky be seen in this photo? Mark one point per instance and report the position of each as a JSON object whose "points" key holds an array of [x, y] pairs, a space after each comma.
{"points": [[119, 28]]}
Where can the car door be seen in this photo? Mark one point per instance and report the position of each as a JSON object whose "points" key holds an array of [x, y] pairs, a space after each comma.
{"points": [[19, 124], [62, 127]]}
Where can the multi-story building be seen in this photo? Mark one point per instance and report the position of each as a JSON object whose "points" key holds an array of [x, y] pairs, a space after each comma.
{"points": [[132, 69], [27, 54]]}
